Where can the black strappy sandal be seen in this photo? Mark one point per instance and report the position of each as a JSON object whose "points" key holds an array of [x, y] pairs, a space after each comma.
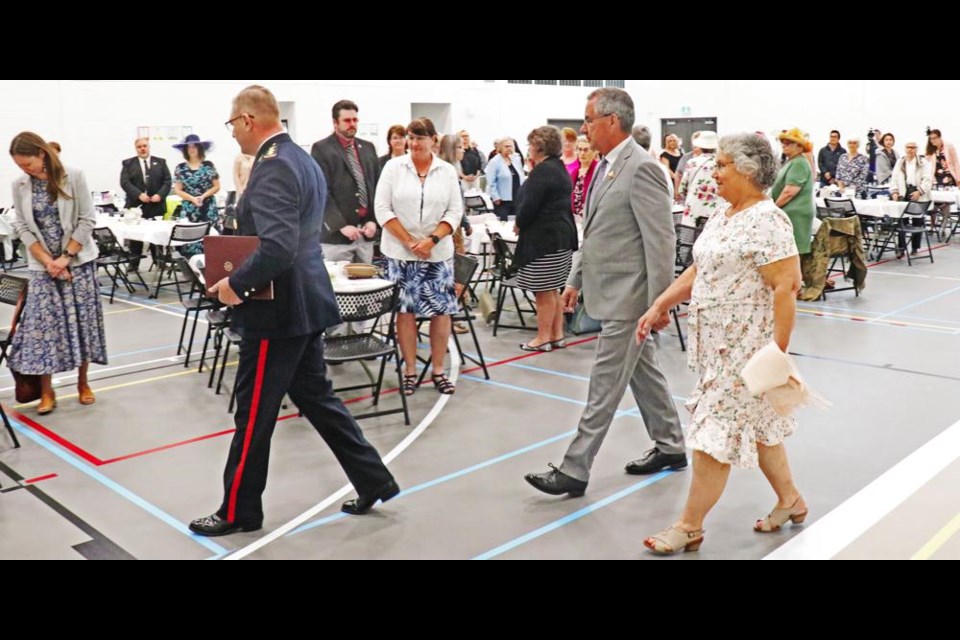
{"points": [[409, 384], [443, 384]]}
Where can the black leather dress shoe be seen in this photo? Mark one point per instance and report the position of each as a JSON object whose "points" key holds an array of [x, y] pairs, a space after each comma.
{"points": [[655, 460], [556, 483], [362, 504], [214, 525]]}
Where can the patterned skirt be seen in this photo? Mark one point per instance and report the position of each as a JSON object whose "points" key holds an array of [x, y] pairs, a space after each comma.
{"points": [[61, 325], [546, 273], [426, 288]]}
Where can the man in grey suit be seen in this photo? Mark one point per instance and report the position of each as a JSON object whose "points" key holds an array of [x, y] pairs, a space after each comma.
{"points": [[626, 261]]}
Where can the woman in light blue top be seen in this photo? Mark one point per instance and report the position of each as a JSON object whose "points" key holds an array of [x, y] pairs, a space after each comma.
{"points": [[504, 177]]}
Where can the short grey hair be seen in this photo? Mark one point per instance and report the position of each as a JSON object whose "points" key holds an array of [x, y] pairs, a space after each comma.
{"points": [[857, 140], [641, 134], [546, 140], [752, 156], [613, 100]]}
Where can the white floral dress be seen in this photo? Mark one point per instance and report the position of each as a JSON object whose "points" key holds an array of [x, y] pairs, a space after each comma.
{"points": [[731, 318]]}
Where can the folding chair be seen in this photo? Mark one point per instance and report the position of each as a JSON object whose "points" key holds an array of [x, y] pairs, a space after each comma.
{"points": [[112, 256], [13, 291], [191, 305], [505, 274], [181, 234], [363, 306]]}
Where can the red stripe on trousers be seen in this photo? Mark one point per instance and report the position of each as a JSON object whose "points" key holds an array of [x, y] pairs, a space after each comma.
{"points": [[254, 406]]}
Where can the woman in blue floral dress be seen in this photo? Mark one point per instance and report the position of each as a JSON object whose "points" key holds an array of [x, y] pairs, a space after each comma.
{"points": [[61, 327], [196, 181]]}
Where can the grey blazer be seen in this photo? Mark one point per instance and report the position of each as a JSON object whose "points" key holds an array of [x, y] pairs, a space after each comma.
{"points": [[77, 216], [628, 252]]}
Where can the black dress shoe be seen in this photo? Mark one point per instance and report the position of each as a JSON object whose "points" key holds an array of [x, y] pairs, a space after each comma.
{"points": [[655, 460], [556, 482], [214, 525], [362, 504]]}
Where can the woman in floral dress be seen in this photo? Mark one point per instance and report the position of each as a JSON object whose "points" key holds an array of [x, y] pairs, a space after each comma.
{"points": [[196, 181], [61, 327], [742, 286]]}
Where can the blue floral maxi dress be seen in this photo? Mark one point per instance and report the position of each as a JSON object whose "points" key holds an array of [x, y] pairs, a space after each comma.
{"points": [[196, 183], [62, 321]]}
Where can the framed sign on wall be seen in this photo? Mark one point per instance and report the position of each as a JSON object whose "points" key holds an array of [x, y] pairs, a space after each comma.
{"points": [[164, 135]]}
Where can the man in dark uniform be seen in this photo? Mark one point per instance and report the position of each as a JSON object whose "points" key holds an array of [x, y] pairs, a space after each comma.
{"points": [[282, 343], [146, 181]]}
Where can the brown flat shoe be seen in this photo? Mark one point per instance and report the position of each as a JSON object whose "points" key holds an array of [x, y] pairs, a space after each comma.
{"points": [[47, 404], [85, 395]]}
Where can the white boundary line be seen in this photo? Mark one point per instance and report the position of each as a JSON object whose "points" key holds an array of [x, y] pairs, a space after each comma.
{"points": [[343, 491], [94, 378], [154, 308], [848, 521]]}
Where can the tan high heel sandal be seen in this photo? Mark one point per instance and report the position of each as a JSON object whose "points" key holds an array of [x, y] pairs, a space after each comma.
{"points": [[47, 404], [778, 517], [674, 540], [85, 395]]}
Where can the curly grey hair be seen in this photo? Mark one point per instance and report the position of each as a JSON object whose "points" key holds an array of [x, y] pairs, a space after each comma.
{"points": [[618, 101], [752, 155]]}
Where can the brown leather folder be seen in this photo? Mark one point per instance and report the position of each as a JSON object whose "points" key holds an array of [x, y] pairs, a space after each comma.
{"points": [[223, 255]]}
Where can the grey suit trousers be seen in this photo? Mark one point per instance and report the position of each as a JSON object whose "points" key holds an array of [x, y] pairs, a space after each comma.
{"points": [[620, 361]]}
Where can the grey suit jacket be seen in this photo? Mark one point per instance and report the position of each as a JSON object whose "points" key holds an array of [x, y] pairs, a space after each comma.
{"points": [[629, 243], [77, 216]]}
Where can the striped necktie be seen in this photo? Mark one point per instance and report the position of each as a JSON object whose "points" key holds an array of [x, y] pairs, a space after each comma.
{"points": [[354, 163]]}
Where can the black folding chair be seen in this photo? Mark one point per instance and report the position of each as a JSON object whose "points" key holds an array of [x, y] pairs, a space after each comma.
{"points": [[191, 305], [505, 272], [13, 291], [112, 257], [166, 258], [371, 344]]}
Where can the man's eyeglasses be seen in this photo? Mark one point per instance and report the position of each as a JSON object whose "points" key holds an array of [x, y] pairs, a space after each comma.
{"points": [[229, 123], [587, 120]]}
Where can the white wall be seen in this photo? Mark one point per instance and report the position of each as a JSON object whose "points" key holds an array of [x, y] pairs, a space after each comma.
{"points": [[96, 121]]}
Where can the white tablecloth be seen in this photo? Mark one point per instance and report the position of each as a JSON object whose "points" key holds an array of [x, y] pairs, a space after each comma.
{"points": [[151, 231], [483, 225], [875, 208]]}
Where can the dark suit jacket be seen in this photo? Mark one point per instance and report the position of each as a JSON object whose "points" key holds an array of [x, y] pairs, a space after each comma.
{"points": [[544, 213], [342, 197], [283, 205], [158, 183]]}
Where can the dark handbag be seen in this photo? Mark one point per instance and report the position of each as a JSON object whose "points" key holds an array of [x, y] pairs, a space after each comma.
{"points": [[28, 385], [581, 322]]}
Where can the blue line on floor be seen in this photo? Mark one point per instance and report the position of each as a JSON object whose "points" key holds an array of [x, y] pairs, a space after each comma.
{"points": [[117, 488], [525, 390], [918, 303], [573, 517], [447, 478], [889, 324], [563, 374]]}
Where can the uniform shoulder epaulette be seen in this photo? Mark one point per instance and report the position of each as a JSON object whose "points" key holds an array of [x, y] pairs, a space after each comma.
{"points": [[271, 152]]}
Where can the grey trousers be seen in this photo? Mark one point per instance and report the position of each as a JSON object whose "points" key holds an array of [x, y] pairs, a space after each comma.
{"points": [[620, 361], [358, 251]]}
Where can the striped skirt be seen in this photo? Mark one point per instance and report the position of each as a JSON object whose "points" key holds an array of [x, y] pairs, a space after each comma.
{"points": [[547, 273]]}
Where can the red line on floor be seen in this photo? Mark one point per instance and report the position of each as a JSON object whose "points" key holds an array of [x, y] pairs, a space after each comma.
{"points": [[168, 446], [97, 462], [63, 442], [40, 478]]}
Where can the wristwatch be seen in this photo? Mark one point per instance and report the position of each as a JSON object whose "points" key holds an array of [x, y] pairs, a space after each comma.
{"points": [[435, 238], [66, 254]]}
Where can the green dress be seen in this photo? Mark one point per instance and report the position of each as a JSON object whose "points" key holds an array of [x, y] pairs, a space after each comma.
{"points": [[801, 208]]}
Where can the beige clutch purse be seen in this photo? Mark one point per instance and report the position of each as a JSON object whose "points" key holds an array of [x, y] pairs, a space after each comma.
{"points": [[771, 373], [360, 270]]}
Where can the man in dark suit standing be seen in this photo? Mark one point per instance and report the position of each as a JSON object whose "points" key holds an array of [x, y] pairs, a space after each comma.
{"points": [[282, 344], [352, 170], [146, 181]]}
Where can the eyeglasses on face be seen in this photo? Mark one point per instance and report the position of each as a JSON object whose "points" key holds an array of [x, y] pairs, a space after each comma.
{"points": [[229, 123], [587, 120], [723, 165]]}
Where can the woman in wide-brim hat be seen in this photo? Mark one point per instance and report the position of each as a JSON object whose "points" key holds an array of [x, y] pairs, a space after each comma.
{"points": [[793, 188], [196, 181]]}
